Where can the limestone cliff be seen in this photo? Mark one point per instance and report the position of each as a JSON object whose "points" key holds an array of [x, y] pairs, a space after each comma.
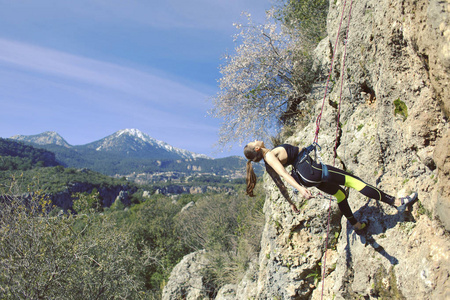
{"points": [[394, 133]]}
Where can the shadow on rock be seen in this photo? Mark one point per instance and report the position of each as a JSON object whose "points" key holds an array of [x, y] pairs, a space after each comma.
{"points": [[379, 221]]}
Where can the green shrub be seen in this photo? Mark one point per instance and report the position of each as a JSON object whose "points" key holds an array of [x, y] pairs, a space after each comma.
{"points": [[401, 109], [229, 228]]}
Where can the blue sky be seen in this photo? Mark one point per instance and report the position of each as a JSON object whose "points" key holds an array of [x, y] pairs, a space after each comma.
{"points": [[88, 68]]}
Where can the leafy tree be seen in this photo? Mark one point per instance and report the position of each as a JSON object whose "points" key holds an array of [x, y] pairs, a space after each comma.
{"points": [[306, 19], [270, 73], [118, 253]]}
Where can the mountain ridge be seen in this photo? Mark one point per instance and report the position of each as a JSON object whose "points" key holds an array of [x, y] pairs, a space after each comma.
{"points": [[130, 141], [44, 138]]}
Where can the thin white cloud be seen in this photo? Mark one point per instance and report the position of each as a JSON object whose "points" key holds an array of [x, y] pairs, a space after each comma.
{"points": [[105, 75], [49, 86]]}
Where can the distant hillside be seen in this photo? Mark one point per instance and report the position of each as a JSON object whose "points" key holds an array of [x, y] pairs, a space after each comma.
{"points": [[38, 168], [18, 156]]}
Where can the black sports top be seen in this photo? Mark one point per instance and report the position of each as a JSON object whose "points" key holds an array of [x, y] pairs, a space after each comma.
{"points": [[292, 152]]}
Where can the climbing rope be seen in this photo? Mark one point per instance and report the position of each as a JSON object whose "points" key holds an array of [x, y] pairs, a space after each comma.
{"points": [[319, 118]]}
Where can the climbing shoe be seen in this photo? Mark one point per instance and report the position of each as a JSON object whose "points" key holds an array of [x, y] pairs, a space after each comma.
{"points": [[363, 228], [407, 201]]}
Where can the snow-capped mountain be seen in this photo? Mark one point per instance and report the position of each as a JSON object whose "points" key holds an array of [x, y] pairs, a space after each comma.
{"points": [[45, 138], [134, 142], [128, 142]]}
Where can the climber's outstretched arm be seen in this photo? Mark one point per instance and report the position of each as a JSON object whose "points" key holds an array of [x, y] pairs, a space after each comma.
{"points": [[276, 165]]}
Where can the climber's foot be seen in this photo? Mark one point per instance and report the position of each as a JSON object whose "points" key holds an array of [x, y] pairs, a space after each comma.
{"points": [[362, 228], [407, 201]]}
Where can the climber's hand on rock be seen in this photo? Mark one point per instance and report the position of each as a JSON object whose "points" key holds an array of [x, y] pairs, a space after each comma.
{"points": [[306, 194]]}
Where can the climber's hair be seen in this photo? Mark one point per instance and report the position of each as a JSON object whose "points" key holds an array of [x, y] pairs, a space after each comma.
{"points": [[251, 155], [251, 179]]}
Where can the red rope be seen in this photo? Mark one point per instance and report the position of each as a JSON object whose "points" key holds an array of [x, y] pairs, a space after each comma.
{"points": [[342, 83], [337, 125], [319, 117]]}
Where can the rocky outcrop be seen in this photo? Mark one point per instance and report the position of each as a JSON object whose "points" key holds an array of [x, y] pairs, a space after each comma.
{"points": [[394, 134], [292, 246], [442, 192], [187, 281], [429, 26], [64, 199], [108, 194]]}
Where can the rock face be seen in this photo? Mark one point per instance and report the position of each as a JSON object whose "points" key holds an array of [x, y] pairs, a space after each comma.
{"points": [[186, 280], [394, 134], [292, 246]]}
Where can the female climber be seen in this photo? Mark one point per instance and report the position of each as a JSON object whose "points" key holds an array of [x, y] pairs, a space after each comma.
{"points": [[307, 173]]}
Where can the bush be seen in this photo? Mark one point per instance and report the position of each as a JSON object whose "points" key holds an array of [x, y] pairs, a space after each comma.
{"points": [[67, 256], [229, 227], [152, 227]]}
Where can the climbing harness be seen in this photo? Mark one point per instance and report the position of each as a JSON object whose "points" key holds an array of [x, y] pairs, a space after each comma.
{"points": [[304, 155]]}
